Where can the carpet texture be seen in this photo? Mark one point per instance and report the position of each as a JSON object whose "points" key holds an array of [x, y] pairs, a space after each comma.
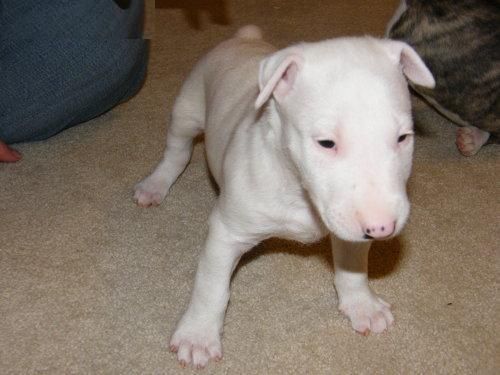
{"points": [[90, 283]]}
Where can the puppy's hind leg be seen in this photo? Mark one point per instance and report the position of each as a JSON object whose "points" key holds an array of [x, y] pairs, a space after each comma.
{"points": [[187, 122]]}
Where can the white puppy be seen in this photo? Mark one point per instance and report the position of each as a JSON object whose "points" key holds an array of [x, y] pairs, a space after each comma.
{"points": [[309, 140]]}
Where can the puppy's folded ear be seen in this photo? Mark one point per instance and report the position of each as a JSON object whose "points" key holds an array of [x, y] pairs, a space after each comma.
{"points": [[277, 74], [413, 66]]}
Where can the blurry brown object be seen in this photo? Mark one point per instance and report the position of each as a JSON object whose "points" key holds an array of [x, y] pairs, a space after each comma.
{"points": [[193, 9]]}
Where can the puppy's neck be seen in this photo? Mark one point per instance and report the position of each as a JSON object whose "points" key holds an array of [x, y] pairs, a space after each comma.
{"points": [[271, 127]]}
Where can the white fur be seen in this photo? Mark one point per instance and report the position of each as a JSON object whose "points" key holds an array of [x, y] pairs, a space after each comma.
{"points": [[263, 113]]}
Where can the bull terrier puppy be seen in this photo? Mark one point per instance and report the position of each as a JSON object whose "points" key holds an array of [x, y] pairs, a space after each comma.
{"points": [[311, 140]]}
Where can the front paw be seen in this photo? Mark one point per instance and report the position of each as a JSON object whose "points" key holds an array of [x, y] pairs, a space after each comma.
{"points": [[196, 344], [150, 192], [367, 312]]}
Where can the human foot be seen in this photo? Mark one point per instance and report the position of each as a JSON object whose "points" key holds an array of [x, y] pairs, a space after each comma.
{"points": [[8, 154]]}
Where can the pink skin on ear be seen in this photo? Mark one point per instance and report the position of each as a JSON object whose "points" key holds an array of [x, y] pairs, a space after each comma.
{"points": [[413, 67], [285, 84], [277, 81]]}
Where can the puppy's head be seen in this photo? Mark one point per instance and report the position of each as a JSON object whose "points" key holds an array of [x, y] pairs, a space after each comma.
{"points": [[345, 124]]}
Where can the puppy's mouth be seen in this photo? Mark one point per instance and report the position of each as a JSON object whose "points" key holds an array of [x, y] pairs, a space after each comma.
{"points": [[349, 229], [338, 224], [367, 237]]}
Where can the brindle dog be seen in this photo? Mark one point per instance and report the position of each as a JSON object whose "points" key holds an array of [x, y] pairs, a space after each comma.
{"points": [[459, 40]]}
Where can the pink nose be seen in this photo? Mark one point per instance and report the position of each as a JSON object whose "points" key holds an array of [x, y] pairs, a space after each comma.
{"points": [[379, 230]]}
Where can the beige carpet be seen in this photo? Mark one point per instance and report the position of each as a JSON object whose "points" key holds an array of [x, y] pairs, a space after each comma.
{"points": [[89, 283]]}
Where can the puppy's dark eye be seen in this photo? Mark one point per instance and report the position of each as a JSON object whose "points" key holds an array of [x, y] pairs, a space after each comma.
{"points": [[402, 138], [327, 143]]}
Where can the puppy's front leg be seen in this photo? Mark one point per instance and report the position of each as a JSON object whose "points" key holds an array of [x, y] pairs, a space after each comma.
{"points": [[197, 336], [357, 301]]}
